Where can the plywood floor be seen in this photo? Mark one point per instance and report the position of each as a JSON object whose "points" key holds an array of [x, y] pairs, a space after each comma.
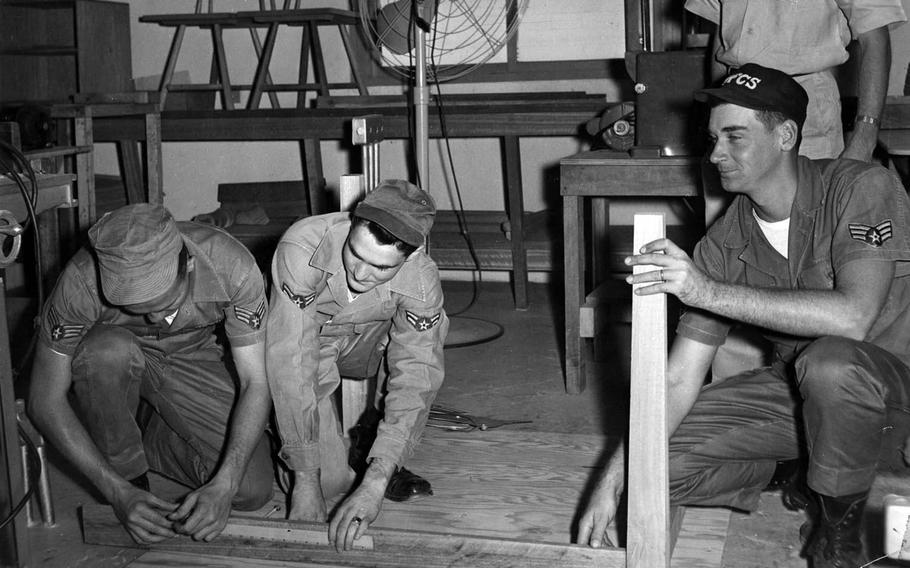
{"points": [[507, 484]]}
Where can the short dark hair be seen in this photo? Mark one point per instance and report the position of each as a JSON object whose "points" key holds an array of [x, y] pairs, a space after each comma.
{"points": [[382, 236], [773, 118], [770, 118]]}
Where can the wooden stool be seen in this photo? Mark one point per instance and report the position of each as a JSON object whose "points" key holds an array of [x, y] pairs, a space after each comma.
{"points": [[309, 19]]}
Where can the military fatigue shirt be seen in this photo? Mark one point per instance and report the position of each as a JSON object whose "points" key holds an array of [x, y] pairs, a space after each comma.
{"points": [[797, 37], [226, 288], [844, 210], [310, 307]]}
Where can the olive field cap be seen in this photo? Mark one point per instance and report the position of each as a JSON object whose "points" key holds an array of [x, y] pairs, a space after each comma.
{"points": [[401, 208], [761, 88], [138, 251]]}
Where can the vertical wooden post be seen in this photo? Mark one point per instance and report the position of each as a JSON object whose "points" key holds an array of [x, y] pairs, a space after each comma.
{"points": [[648, 542], [14, 549], [355, 394], [574, 266], [85, 168], [153, 164]]}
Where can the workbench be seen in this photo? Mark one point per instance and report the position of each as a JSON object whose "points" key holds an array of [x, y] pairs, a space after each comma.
{"points": [[507, 121], [605, 175], [52, 191]]}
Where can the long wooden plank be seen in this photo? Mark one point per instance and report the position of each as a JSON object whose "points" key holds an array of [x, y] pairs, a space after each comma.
{"points": [[700, 545], [648, 543], [264, 539], [160, 558], [502, 497]]}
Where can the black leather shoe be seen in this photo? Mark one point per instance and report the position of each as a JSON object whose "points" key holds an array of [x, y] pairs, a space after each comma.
{"points": [[405, 486], [836, 541]]}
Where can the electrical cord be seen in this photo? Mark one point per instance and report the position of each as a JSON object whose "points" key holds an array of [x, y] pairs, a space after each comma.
{"points": [[20, 165], [35, 470], [413, 21], [460, 215]]}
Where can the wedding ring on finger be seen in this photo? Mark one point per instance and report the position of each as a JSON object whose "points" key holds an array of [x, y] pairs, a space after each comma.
{"points": [[660, 275], [356, 521]]}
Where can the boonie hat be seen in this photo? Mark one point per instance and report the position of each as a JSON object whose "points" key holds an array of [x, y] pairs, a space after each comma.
{"points": [[761, 88], [138, 251], [401, 208]]}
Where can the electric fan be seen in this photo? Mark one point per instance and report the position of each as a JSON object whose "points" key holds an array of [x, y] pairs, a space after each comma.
{"points": [[436, 40], [442, 40]]}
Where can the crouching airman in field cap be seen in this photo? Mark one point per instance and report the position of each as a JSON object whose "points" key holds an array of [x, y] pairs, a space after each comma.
{"points": [[135, 318], [355, 295], [814, 254]]}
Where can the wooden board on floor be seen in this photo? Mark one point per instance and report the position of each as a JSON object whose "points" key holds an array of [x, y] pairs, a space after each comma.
{"points": [[521, 487], [700, 544]]}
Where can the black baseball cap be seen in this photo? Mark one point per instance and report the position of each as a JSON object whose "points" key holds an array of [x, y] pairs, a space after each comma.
{"points": [[760, 88]]}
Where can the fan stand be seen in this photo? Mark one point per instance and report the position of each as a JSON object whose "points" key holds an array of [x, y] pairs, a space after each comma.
{"points": [[463, 331]]}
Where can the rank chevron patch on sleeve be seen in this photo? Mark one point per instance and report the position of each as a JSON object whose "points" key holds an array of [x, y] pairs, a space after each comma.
{"points": [[252, 318], [875, 236], [60, 330], [300, 300], [422, 323]]}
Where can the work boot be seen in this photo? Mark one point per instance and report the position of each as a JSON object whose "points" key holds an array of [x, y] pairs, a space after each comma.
{"points": [[836, 539], [790, 478], [404, 485]]}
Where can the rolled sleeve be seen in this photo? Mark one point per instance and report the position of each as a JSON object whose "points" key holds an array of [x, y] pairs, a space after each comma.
{"points": [[864, 16], [707, 9], [292, 355], [245, 317], [416, 372], [873, 221], [702, 327], [72, 309]]}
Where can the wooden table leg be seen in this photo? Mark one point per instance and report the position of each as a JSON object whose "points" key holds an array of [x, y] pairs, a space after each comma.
{"points": [[311, 155], [227, 95], [153, 165], [262, 76], [168, 74], [85, 170], [516, 211], [574, 266]]}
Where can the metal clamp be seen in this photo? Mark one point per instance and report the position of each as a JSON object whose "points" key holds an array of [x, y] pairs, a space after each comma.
{"points": [[40, 508], [9, 229]]}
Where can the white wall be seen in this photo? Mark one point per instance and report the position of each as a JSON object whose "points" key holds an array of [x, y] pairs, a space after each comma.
{"points": [[192, 171]]}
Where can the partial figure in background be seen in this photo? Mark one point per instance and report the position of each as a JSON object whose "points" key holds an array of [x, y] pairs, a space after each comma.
{"points": [[808, 40], [817, 255], [131, 374], [355, 295]]}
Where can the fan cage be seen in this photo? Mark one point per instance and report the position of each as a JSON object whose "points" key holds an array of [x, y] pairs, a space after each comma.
{"points": [[463, 35]]}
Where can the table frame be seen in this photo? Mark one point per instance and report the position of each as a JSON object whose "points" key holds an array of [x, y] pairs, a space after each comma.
{"points": [[505, 121], [605, 175]]}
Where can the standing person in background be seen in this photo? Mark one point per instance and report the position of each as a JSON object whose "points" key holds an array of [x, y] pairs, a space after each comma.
{"points": [[808, 40]]}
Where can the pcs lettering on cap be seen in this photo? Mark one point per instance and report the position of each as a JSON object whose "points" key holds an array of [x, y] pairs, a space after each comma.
{"points": [[760, 88]]}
